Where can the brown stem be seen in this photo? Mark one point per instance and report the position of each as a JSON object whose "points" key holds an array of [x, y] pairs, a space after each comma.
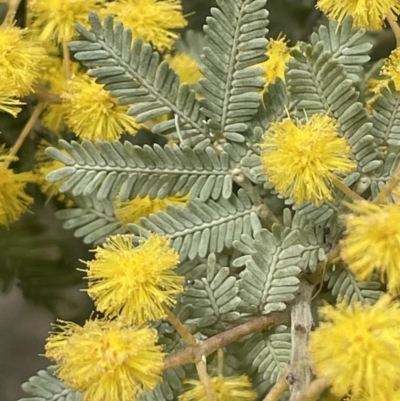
{"points": [[392, 20], [220, 362], [25, 132], [278, 389], [346, 190], [205, 379], [394, 180], [44, 95], [314, 390], [268, 219], [12, 10], [324, 265], [194, 353], [299, 376], [66, 60], [180, 328]]}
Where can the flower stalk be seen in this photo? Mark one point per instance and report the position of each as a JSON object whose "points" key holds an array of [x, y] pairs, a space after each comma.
{"points": [[25, 131]]}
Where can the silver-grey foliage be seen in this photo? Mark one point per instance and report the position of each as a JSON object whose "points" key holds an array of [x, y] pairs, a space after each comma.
{"points": [[113, 168], [202, 228], [46, 387], [234, 268]]}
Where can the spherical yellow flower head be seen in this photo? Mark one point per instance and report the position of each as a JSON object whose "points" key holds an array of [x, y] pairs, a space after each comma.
{"points": [[391, 68], [92, 114], [54, 20], [13, 199], [301, 160], [9, 102], [186, 67], [224, 389], [152, 20], [372, 241], [131, 211], [20, 59], [368, 14], [357, 348], [106, 360], [279, 54], [54, 79], [134, 283]]}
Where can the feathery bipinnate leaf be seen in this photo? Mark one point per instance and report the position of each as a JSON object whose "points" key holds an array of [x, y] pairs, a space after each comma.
{"points": [[93, 221], [46, 387], [234, 43], [214, 298], [129, 171], [345, 287], [267, 354], [202, 228], [348, 46], [134, 74], [386, 130], [273, 261]]}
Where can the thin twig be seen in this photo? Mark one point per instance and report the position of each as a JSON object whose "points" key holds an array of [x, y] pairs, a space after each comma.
{"points": [[299, 376], [66, 60], [323, 266], [25, 132], [279, 388], [12, 10], [201, 367], [44, 95], [267, 217], [394, 180], [195, 353], [392, 20], [220, 362], [314, 390], [346, 190], [180, 328]]}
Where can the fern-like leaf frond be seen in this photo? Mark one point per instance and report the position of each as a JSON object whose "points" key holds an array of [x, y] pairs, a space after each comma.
{"points": [[234, 43], [273, 261], [44, 386], [215, 298], [345, 287], [126, 170], [93, 221], [135, 75], [202, 228], [348, 46]]}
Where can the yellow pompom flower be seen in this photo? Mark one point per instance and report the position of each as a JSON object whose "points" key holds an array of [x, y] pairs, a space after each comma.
{"points": [[278, 56], [372, 241], [134, 283], [131, 211], [9, 102], [186, 67], [302, 160], [357, 348], [20, 59], [368, 14], [152, 20], [54, 79], [237, 388], [54, 20], [391, 68], [106, 360], [13, 199], [92, 114]]}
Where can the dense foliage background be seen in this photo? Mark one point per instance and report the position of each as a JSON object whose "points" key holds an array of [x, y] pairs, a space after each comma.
{"points": [[38, 258]]}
